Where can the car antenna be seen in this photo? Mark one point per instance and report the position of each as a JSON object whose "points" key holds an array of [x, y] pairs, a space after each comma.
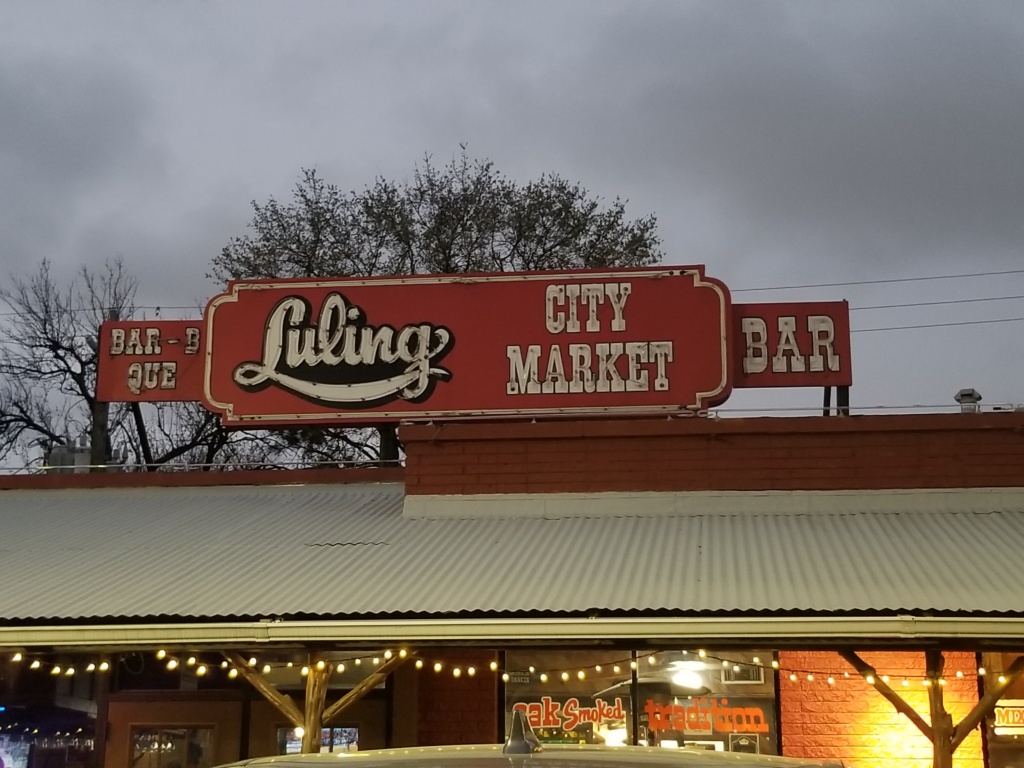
{"points": [[521, 738]]}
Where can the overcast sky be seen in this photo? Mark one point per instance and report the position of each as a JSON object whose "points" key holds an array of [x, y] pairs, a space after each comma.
{"points": [[779, 143]]}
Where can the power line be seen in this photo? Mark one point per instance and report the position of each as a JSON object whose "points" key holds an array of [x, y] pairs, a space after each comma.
{"points": [[937, 325], [880, 282], [936, 303]]}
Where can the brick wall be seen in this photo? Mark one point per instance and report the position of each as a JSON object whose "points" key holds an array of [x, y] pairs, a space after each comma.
{"points": [[460, 710], [816, 453], [851, 721]]}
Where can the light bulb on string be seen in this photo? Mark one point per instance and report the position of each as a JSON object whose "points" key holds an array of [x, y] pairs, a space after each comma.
{"points": [[17, 657], [905, 682], [702, 653], [438, 666], [504, 677], [981, 671], [810, 678], [494, 666], [419, 663], [1002, 678], [831, 680], [191, 661], [172, 664], [456, 672], [388, 654], [615, 669], [885, 678], [632, 665], [757, 660], [304, 671], [565, 676], [543, 677], [69, 671], [959, 673], [597, 668], [201, 670], [775, 664], [90, 667], [471, 671], [266, 669], [402, 653], [376, 660], [104, 666], [792, 677], [357, 662], [252, 661], [321, 664], [340, 668], [232, 673], [869, 679], [581, 675], [651, 660], [161, 653]]}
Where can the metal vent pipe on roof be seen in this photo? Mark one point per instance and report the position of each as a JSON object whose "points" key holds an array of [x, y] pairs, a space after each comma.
{"points": [[969, 399]]}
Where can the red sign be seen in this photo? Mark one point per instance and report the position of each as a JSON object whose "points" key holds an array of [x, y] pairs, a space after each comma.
{"points": [[706, 715], [791, 345], [388, 349], [153, 361], [570, 714]]}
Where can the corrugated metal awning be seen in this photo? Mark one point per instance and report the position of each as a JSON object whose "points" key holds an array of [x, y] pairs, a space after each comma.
{"points": [[347, 552]]}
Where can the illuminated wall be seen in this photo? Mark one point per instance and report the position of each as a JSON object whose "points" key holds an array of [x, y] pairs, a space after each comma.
{"points": [[849, 720]]}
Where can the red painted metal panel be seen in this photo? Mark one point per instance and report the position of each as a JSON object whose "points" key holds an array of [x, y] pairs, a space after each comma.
{"points": [[795, 344], [415, 348], [150, 361]]}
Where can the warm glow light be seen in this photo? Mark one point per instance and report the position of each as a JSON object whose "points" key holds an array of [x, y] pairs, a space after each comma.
{"points": [[191, 661], [201, 670], [775, 664], [304, 671], [232, 673], [172, 664], [810, 678], [926, 683], [565, 676], [321, 664], [388, 654], [942, 681], [376, 660], [885, 678], [104, 666], [456, 672], [252, 661], [299, 731], [831, 680], [870, 679], [959, 673], [55, 670], [470, 671], [702, 653], [793, 677], [266, 669], [34, 664], [726, 662], [906, 682], [632, 665], [757, 660], [597, 668], [532, 670], [504, 677], [90, 667], [402, 653], [340, 668], [223, 665], [494, 666], [438, 666], [419, 663], [615, 669], [981, 671], [581, 674], [651, 660], [17, 657], [543, 677], [1002, 678], [161, 653], [69, 671]]}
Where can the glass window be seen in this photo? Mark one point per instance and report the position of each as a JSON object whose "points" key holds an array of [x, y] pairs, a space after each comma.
{"points": [[177, 747], [344, 739], [722, 700]]}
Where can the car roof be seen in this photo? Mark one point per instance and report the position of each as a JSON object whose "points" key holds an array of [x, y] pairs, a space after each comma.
{"points": [[551, 756]]}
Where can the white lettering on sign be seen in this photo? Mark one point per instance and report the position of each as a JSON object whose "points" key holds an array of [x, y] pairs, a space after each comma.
{"points": [[788, 356], [145, 341], [152, 375], [564, 303], [342, 359], [617, 366]]}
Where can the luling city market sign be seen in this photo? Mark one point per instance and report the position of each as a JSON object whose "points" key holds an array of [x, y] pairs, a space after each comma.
{"points": [[582, 342]]}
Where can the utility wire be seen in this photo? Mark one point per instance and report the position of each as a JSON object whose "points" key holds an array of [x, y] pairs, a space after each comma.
{"points": [[936, 303], [937, 325], [880, 282]]}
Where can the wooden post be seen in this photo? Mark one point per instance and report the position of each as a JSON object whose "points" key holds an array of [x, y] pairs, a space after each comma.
{"points": [[316, 695], [942, 721], [868, 672]]}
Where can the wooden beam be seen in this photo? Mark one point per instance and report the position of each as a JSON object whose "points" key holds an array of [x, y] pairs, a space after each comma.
{"points": [[942, 721], [364, 686], [284, 703], [894, 698], [987, 703]]}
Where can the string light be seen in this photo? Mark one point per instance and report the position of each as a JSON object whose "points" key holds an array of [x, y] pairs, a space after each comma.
{"points": [[504, 677], [104, 666], [494, 666], [201, 670], [191, 661], [55, 670], [252, 661], [543, 677], [321, 664], [266, 669], [565, 676], [161, 653], [17, 657], [90, 667], [402, 653], [388, 654], [304, 671], [172, 664], [438, 666], [419, 663], [232, 673], [456, 672], [471, 671]]}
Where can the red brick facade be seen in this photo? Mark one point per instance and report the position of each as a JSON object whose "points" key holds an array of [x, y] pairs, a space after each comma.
{"points": [[858, 452], [851, 721]]}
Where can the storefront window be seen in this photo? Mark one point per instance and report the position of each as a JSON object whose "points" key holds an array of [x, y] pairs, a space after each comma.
{"points": [[178, 747], [722, 701], [345, 739]]}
